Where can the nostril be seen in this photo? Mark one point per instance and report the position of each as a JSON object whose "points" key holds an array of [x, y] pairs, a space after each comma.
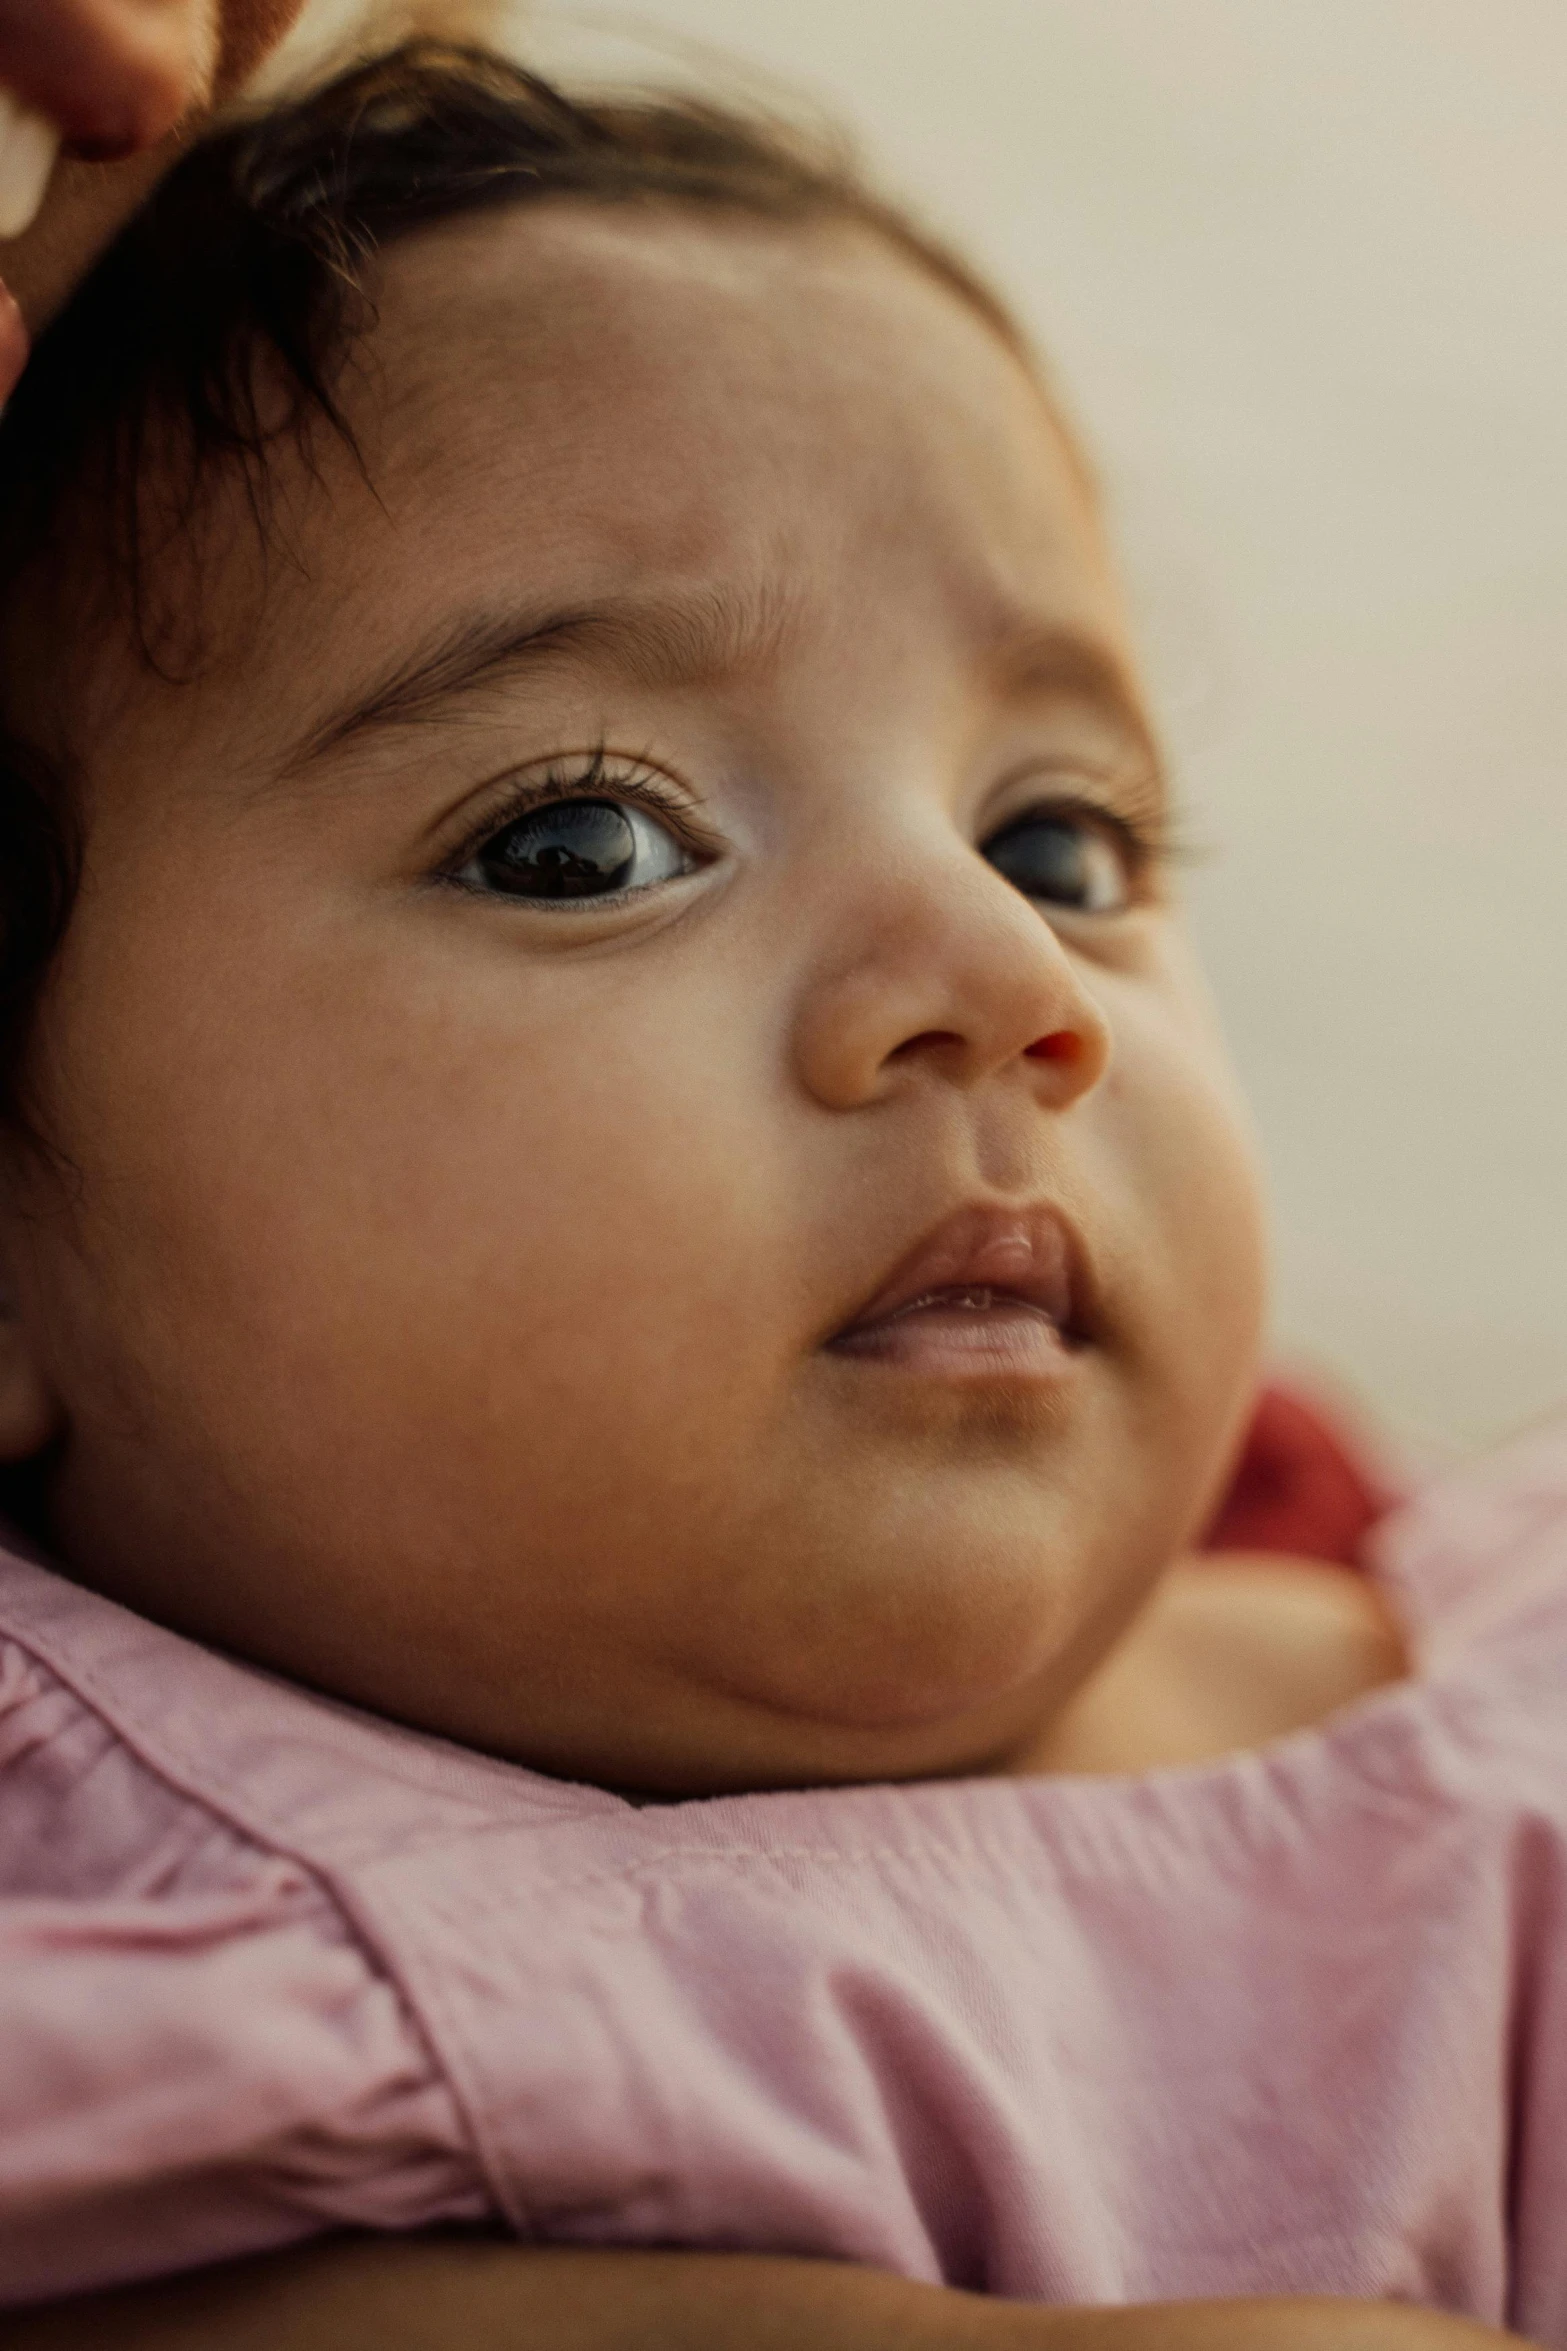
{"points": [[922, 1043], [1060, 1045]]}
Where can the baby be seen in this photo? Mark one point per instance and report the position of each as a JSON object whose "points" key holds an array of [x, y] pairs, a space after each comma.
{"points": [[630, 1261]]}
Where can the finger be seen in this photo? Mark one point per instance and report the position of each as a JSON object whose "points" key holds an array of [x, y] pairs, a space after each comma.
{"points": [[251, 30], [114, 75], [13, 344]]}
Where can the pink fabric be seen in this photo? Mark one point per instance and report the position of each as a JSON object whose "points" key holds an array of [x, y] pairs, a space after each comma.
{"points": [[1293, 2020]]}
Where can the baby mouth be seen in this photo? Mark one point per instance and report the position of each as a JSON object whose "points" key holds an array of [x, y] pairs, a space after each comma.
{"points": [[973, 1330], [991, 1292]]}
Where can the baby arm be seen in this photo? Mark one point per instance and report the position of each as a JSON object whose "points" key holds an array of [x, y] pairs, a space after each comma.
{"points": [[446, 2294]]}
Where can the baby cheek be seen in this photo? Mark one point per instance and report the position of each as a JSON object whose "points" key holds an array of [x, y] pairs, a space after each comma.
{"points": [[565, 1224], [1187, 1149]]}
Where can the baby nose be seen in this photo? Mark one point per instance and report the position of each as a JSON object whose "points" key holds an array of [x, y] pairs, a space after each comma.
{"points": [[956, 978]]}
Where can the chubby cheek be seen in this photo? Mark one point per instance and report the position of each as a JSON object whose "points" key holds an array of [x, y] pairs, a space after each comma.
{"points": [[1176, 1132], [409, 1255]]}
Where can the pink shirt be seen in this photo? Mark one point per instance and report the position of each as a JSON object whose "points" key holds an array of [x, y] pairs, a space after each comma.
{"points": [[1297, 2019]]}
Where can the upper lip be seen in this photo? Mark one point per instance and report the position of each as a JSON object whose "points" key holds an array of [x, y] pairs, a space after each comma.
{"points": [[1024, 1252]]}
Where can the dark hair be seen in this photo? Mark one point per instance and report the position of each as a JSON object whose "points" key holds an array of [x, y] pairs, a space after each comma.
{"points": [[218, 323]]}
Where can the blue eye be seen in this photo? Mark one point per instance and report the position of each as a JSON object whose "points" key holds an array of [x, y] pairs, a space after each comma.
{"points": [[577, 849], [1065, 858]]}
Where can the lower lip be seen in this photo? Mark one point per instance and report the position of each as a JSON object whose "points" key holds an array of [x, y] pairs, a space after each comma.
{"points": [[1005, 1341]]}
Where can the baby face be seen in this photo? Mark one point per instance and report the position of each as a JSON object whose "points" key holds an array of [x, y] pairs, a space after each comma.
{"points": [[653, 1186]]}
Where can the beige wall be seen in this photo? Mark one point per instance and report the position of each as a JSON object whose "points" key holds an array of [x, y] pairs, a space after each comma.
{"points": [[1303, 266]]}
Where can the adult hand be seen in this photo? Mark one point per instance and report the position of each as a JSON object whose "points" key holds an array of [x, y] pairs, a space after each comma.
{"points": [[110, 82], [451, 2294]]}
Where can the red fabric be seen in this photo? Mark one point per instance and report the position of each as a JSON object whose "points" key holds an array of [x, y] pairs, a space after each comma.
{"points": [[1300, 1485]]}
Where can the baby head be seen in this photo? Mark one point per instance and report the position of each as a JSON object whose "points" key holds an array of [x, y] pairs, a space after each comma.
{"points": [[616, 1152]]}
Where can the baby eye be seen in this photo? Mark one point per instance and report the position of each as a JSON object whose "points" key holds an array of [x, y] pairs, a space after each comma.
{"points": [[1066, 857], [586, 848]]}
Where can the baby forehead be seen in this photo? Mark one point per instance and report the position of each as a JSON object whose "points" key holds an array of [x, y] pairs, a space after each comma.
{"points": [[660, 445], [651, 366], [793, 296], [581, 401]]}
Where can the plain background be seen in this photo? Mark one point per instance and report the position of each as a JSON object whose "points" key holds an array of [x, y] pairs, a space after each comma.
{"points": [[1301, 268]]}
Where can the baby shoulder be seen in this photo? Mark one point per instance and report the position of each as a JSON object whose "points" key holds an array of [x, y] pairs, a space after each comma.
{"points": [[1465, 1598], [1266, 1645]]}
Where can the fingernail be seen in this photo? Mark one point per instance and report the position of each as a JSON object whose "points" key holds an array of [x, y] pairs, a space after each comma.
{"points": [[29, 143]]}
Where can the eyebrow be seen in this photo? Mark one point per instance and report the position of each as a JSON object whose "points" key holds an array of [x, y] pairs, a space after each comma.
{"points": [[690, 640], [1053, 658], [667, 642]]}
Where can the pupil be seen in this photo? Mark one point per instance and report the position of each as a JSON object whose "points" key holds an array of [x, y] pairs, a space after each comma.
{"points": [[575, 849], [1044, 859]]}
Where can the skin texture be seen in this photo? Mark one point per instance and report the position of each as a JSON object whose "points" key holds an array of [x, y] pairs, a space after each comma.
{"points": [[438, 1309]]}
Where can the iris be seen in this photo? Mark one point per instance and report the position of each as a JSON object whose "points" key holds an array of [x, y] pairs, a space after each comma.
{"points": [[571, 849]]}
